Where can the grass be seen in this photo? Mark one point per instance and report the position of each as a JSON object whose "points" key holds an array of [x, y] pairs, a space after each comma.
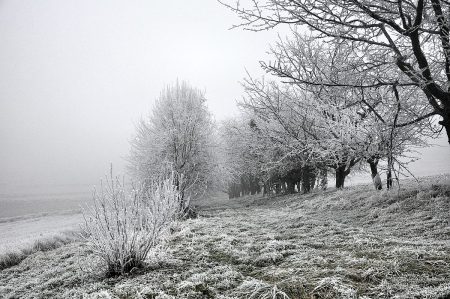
{"points": [[352, 243], [14, 258]]}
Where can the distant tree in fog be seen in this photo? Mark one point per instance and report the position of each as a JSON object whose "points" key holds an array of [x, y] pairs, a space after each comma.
{"points": [[177, 136], [241, 156]]}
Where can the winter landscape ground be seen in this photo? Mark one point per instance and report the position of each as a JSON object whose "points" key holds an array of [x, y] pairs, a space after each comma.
{"points": [[31, 213], [352, 243]]}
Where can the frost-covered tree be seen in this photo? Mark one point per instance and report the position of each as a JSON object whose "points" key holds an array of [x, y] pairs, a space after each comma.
{"points": [[402, 42], [342, 124], [308, 130], [330, 127], [329, 68], [240, 156], [177, 136]]}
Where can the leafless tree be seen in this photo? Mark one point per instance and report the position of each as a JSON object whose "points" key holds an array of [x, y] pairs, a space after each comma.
{"points": [[399, 42]]}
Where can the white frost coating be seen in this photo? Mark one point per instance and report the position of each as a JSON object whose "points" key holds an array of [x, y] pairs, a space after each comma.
{"points": [[122, 227]]}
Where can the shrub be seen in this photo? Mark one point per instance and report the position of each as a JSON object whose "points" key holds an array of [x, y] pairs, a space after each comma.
{"points": [[122, 226]]}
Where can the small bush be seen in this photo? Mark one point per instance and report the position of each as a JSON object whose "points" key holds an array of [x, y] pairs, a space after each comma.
{"points": [[121, 227]]}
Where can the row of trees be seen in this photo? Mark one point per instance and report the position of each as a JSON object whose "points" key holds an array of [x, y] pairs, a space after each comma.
{"points": [[292, 132], [357, 82], [388, 43], [288, 136]]}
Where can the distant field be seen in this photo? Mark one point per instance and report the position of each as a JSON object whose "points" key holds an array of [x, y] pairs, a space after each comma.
{"points": [[19, 234], [29, 213], [19, 201]]}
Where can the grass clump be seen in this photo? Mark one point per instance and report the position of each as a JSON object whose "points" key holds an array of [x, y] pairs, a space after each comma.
{"points": [[14, 258], [256, 289], [333, 288]]}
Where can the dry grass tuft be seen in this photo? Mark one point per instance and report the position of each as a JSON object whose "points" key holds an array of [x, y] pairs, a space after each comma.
{"points": [[256, 289], [14, 258], [333, 288]]}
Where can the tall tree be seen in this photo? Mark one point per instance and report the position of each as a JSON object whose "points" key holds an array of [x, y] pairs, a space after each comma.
{"points": [[176, 137]]}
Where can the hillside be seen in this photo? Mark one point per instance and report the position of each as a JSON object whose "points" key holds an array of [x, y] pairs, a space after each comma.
{"points": [[352, 243]]}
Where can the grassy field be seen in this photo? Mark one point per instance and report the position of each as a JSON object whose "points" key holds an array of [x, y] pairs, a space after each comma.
{"points": [[352, 243]]}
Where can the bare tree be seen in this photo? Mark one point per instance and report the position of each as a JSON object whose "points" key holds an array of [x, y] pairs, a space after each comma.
{"points": [[306, 129], [402, 42]]}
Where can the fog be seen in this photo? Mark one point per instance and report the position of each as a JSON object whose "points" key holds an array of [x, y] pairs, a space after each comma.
{"points": [[76, 75]]}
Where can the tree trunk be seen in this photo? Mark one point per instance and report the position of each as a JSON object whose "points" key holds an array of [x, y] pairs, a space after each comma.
{"points": [[341, 174], [340, 177], [373, 162], [445, 122], [237, 190], [323, 177], [373, 167], [312, 177], [306, 179], [266, 189], [389, 173]]}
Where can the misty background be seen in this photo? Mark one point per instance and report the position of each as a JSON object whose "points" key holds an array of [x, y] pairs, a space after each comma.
{"points": [[76, 75]]}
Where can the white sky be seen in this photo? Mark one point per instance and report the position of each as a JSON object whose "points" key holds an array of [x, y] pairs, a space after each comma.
{"points": [[76, 74]]}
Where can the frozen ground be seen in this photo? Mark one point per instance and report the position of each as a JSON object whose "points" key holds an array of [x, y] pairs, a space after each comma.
{"points": [[30, 213], [354, 243], [23, 232]]}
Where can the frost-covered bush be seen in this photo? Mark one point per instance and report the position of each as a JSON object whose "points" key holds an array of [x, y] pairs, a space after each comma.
{"points": [[122, 226]]}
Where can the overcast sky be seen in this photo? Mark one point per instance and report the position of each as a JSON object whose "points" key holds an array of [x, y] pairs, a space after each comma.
{"points": [[76, 74]]}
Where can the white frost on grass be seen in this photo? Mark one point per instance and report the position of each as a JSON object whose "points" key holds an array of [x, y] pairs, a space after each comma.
{"points": [[256, 289], [21, 234], [325, 243], [333, 288]]}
